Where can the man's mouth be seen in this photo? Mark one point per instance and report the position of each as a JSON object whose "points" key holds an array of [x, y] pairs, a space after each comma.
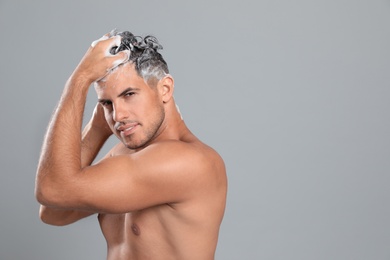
{"points": [[127, 129]]}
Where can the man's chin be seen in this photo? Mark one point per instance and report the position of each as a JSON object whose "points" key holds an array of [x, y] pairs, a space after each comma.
{"points": [[134, 146]]}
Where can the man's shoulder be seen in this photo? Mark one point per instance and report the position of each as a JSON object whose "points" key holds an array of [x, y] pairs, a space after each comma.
{"points": [[181, 149], [195, 157], [176, 155]]}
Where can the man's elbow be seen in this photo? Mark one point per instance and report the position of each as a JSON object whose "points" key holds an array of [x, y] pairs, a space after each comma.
{"points": [[42, 195], [42, 188], [48, 195], [46, 217], [44, 210]]}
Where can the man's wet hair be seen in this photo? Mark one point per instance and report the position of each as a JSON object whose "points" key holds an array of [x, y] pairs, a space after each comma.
{"points": [[148, 62]]}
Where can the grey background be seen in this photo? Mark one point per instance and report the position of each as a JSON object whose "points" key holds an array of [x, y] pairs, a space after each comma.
{"points": [[293, 94]]}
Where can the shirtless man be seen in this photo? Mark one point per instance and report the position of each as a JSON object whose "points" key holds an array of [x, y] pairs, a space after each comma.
{"points": [[160, 193]]}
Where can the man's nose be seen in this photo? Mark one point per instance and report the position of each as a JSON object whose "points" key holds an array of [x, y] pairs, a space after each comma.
{"points": [[120, 113]]}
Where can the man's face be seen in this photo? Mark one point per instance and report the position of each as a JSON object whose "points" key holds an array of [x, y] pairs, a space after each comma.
{"points": [[133, 110]]}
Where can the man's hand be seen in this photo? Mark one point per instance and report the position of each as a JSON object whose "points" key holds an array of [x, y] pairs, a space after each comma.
{"points": [[99, 123], [98, 61]]}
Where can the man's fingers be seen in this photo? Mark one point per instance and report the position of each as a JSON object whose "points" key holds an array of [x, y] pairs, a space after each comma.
{"points": [[104, 37], [113, 42], [110, 35], [102, 50], [120, 58], [107, 44], [116, 60]]}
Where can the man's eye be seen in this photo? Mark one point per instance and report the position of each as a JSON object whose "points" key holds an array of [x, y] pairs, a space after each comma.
{"points": [[128, 94], [106, 103]]}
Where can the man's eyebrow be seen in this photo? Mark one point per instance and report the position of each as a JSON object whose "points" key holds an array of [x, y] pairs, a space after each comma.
{"points": [[124, 92], [103, 100]]}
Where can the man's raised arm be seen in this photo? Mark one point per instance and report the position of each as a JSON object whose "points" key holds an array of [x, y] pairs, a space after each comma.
{"points": [[61, 157], [94, 135]]}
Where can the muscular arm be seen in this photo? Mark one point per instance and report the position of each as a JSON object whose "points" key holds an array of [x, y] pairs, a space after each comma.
{"points": [[93, 138], [65, 150], [168, 171]]}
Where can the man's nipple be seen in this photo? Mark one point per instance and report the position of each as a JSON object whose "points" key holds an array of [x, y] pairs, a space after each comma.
{"points": [[135, 229]]}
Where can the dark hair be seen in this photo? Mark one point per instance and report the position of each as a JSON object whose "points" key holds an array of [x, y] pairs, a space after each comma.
{"points": [[148, 62]]}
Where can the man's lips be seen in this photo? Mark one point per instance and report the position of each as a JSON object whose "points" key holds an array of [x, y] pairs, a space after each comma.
{"points": [[126, 129]]}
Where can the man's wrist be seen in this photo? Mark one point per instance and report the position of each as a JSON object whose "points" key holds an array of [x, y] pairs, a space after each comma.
{"points": [[97, 132], [79, 80]]}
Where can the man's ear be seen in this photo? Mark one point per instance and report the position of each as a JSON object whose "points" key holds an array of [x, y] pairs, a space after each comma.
{"points": [[166, 87]]}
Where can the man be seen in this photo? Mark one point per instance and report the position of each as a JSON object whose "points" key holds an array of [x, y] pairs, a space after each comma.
{"points": [[160, 193]]}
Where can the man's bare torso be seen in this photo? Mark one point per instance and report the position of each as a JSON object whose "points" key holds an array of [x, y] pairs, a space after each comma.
{"points": [[182, 230], [164, 201]]}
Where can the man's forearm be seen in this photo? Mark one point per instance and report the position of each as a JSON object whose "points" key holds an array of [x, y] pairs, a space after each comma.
{"points": [[61, 159], [92, 141], [61, 151]]}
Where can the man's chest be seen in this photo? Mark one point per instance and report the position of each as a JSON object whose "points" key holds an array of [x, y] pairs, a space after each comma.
{"points": [[149, 224]]}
